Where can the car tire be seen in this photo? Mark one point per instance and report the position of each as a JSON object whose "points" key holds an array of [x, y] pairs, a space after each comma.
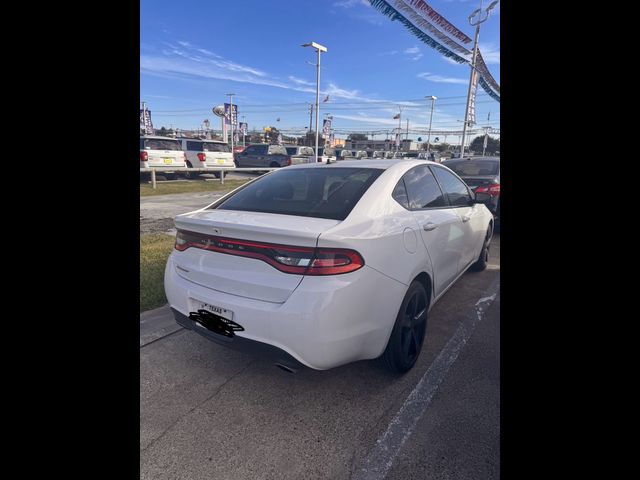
{"points": [[483, 259], [409, 331], [190, 175]]}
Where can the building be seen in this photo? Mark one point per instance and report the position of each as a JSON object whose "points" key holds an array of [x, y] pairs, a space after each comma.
{"points": [[405, 145]]}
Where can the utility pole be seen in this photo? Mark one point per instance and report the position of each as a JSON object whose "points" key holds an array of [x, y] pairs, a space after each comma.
{"points": [[230, 95], [310, 116]]}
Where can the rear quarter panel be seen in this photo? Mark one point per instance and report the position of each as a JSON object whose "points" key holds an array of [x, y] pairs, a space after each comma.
{"points": [[383, 232]]}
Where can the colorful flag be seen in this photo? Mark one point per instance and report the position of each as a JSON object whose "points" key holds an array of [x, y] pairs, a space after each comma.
{"points": [[396, 117]]}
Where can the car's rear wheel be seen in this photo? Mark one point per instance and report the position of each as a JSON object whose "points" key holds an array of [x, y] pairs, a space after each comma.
{"points": [[190, 175], [483, 259], [407, 336]]}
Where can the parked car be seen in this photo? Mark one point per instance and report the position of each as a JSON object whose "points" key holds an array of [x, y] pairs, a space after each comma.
{"points": [[300, 154], [361, 154], [263, 155], [322, 265], [347, 154], [482, 174], [379, 154], [207, 154], [325, 154], [411, 154], [162, 153], [388, 154], [398, 155], [238, 148]]}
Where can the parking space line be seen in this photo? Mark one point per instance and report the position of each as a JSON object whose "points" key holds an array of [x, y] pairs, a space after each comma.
{"points": [[386, 449]]}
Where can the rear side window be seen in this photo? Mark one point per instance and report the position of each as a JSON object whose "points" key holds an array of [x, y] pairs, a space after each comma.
{"points": [[161, 144], [455, 188], [291, 150], [422, 189], [308, 192], [215, 147], [195, 146], [400, 194], [277, 150], [473, 168]]}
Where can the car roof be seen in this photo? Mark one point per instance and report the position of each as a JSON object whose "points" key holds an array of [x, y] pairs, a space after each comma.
{"points": [[202, 140], [473, 158], [158, 137], [381, 164]]}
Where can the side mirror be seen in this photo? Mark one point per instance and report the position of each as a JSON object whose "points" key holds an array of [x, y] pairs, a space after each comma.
{"points": [[483, 198]]}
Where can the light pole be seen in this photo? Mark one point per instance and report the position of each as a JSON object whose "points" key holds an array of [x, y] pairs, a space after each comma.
{"points": [[243, 129], [480, 19], [433, 102], [230, 95], [319, 48]]}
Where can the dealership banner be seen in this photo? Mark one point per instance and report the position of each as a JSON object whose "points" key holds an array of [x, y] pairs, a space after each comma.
{"points": [[437, 32], [472, 99], [326, 127], [145, 121], [243, 128], [230, 117]]}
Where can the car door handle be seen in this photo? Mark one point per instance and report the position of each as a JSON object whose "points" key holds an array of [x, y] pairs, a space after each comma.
{"points": [[429, 226], [465, 218]]}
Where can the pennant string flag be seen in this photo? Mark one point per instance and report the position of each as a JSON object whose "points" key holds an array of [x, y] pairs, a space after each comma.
{"points": [[423, 21]]}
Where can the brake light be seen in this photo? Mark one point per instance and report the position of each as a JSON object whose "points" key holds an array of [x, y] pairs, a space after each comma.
{"points": [[493, 190], [288, 160], [144, 156], [286, 258], [202, 156]]}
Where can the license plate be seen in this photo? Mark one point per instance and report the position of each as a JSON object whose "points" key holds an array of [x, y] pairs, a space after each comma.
{"points": [[220, 160], [223, 312], [168, 161]]}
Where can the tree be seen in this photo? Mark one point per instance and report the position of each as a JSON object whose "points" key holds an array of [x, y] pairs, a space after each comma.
{"points": [[493, 145], [357, 137], [272, 135]]}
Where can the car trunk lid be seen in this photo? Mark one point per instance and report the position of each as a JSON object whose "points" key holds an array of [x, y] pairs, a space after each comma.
{"points": [[231, 272]]}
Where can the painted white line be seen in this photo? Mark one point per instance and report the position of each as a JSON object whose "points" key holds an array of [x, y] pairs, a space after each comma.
{"points": [[381, 457]]}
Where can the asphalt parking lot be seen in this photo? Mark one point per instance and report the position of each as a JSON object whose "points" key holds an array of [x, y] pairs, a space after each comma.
{"points": [[211, 413]]}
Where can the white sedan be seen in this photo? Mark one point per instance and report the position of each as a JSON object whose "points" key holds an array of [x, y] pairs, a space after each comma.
{"points": [[325, 264]]}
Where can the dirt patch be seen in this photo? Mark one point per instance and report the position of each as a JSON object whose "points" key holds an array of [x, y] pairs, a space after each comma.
{"points": [[156, 225]]}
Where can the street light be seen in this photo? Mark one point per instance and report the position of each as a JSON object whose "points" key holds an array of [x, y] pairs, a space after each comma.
{"points": [[319, 48], [433, 101], [480, 19]]}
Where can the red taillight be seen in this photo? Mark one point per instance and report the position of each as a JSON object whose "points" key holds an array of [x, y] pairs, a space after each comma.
{"points": [[288, 161], [202, 156], [493, 190], [286, 258], [144, 156]]}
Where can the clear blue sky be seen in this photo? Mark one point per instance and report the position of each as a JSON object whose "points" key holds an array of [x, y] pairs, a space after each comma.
{"points": [[193, 52]]}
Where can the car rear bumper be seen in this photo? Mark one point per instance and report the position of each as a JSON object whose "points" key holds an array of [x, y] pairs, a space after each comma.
{"points": [[264, 350], [325, 322]]}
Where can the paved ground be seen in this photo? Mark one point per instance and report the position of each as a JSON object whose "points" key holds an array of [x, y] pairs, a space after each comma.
{"points": [[210, 413], [157, 212]]}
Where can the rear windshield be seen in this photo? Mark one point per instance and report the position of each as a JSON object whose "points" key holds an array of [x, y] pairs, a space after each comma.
{"points": [[292, 150], [306, 192], [471, 168], [215, 147], [159, 144]]}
